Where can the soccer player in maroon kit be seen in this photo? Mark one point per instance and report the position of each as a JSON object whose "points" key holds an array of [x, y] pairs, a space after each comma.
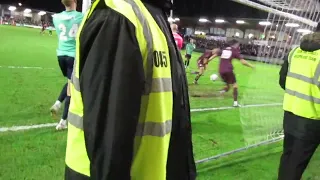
{"points": [[226, 68], [203, 62], [44, 27]]}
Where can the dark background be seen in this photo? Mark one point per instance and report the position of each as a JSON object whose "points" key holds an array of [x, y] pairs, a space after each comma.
{"points": [[185, 8]]}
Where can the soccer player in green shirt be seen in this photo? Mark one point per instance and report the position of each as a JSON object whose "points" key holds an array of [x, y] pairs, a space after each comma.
{"points": [[66, 24], [189, 49]]}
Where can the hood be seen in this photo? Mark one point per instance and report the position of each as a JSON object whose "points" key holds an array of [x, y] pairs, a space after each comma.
{"points": [[310, 42]]}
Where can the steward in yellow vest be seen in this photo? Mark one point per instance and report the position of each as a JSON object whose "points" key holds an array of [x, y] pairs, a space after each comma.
{"points": [[300, 78], [129, 117]]}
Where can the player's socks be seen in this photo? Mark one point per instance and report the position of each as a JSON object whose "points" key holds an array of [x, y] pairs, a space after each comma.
{"points": [[235, 94], [63, 93], [197, 77], [224, 90], [235, 97], [62, 125], [58, 104], [236, 104]]}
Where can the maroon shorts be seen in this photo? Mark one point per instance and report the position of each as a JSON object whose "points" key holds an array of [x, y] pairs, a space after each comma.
{"points": [[200, 65], [228, 77]]}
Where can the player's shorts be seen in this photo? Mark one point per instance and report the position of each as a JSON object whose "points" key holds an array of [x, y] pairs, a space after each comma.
{"points": [[228, 77], [188, 56], [66, 65], [201, 64]]}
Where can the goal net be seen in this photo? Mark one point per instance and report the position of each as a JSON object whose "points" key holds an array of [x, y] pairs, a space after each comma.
{"points": [[287, 21]]}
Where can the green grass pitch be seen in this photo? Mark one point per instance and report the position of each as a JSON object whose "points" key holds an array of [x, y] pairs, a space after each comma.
{"points": [[27, 94]]}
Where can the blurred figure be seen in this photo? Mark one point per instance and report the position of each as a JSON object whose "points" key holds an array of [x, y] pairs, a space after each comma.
{"points": [[178, 39], [203, 62], [189, 50], [129, 117], [300, 78], [44, 27]]}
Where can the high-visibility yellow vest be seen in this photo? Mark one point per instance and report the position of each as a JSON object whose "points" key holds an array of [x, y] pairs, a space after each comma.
{"points": [[302, 96], [155, 121]]}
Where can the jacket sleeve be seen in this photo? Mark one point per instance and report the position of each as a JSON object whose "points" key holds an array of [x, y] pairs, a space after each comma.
{"points": [[283, 73], [111, 82]]}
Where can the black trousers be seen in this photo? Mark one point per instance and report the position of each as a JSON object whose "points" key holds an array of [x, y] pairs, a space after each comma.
{"points": [[296, 157]]}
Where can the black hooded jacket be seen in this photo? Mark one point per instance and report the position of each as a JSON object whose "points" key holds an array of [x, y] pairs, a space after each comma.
{"points": [[297, 126], [112, 82]]}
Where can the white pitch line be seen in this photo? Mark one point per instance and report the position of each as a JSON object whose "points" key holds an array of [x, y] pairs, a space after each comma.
{"points": [[226, 108], [21, 128], [38, 126], [24, 67]]}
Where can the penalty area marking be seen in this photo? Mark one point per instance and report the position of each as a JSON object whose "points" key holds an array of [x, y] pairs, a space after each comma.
{"points": [[39, 126], [24, 67]]}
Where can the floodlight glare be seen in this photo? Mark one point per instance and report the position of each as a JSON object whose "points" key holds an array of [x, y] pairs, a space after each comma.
{"points": [[292, 25], [219, 21], [265, 23], [170, 19], [20, 4], [177, 19], [304, 31], [12, 8], [240, 22], [203, 20], [41, 13], [27, 11]]}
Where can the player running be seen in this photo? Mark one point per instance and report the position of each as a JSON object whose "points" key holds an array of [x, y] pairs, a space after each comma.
{"points": [[44, 27], [66, 24], [177, 37], [189, 50], [203, 62], [226, 68]]}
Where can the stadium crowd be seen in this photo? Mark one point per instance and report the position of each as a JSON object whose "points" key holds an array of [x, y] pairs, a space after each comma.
{"points": [[246, 49]]}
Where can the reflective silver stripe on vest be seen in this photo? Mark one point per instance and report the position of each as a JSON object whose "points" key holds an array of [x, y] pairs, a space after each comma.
{"points": [[154, 129], [317, 75], [303, 96], [76, 82], [148, 36], [303, 78], [161, 85], [314, 80], [291, 54], [75, 120], [158, 84], [143, 129]]}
